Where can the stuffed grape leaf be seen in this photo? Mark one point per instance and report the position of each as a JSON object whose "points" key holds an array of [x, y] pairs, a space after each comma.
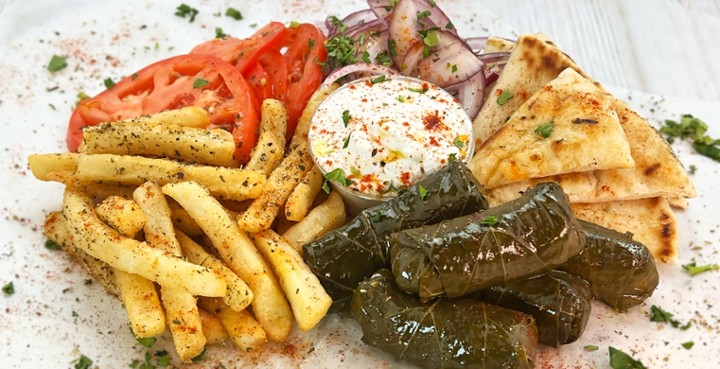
{"points": [[621, 271], [344, 257], [459, 333], [525, 237], [559, 301]]}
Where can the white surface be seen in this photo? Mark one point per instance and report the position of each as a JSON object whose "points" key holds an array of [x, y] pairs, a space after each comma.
{"points": [[37, 324]]}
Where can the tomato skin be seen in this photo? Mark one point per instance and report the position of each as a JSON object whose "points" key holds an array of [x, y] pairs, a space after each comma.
{"points": [[168, 84], [304, 56]]}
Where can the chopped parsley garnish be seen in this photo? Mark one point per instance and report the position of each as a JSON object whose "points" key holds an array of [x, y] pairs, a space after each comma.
{"points": [[378, 79], [453, 67], [422, 192], [545, 130], [109, 83], [392, 47], [423, 14], [692, 128], [234, 13], [347, 141], [338, 174], [460, 144], [504, 97], [83, 362], [383, 58], [452, 157], [134, 76], [400, 98], [430, 39], [419, 90], [377, 216], [52, 245], [449, 26], [661, 316], [8, 289], [366, 57], [311, 43], [326, 187], [185, 10], [57, 63], [294, 24], [489, 220], [146, 342], [591, 348], [688, 345], [621, 360], [219, 33], [199, 82], [346, 117], [695, 270], [341, 48]]}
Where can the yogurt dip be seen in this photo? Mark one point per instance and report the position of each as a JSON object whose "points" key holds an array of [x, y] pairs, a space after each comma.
{"points": [[376, 136]]}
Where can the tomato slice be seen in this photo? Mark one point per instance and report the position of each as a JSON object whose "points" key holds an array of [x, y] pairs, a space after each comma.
{"points": [[244, 53], [274, 64], [186, 80], [304, 57], [259, 81]]}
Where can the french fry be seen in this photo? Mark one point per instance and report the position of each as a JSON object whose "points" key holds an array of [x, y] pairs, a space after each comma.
{"points": [[244, 331], [307, 297], [322, 219], [141, 301], [270, 148], [42, 165], [184, 222], [282, 181], [303, 125], [273, 117], [301, 198], [55, 228], [238, 295], [102, 242], [191, 116], [194, 145], [238, 252], [123, 215], [212, 328], [229, 183], [181, 310]]}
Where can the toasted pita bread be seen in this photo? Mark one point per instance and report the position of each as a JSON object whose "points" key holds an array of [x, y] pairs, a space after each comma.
{"points": [[586, 135], [534, 62], [496, 45], [657, 171], [651, 221]]}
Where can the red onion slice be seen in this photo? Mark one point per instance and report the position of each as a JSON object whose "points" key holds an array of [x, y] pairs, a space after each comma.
{"points": [[470, 93], [492, 58], [451, 63], [375, 43]]}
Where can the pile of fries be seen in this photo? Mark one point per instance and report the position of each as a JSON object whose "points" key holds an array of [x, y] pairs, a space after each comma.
{"points": [[157, 211]]}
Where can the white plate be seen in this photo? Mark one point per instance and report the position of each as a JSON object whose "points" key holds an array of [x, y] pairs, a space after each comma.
{"points": [[54, 315]]}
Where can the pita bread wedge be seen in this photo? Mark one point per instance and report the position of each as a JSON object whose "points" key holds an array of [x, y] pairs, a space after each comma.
{"points": [[496, 45], [534, 62], [585, 134], [657, 171], [651, 221]]}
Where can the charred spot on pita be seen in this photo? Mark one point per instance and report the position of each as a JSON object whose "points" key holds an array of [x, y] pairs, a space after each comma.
{"points": [[650, 170]]}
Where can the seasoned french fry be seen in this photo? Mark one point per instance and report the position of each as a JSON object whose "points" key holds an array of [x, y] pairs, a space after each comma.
{"points": [[190, 116], [273, 117], [212, 328], [102, 242], [138, 294], [244, 331], [303, 125], [322, 219], [307, 297], [194, 145], [238, 252], [42, 165], [238, 295], [301, 198], [184, 222], [180, 307], [229, 183], [123, 215], [55, 228], [267, 153], [283, 179]]}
